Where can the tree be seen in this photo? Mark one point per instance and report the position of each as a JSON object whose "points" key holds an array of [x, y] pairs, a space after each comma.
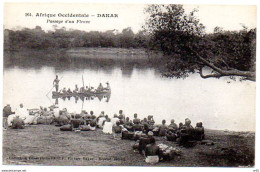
{"points": [[187, 49], [127, 38]]}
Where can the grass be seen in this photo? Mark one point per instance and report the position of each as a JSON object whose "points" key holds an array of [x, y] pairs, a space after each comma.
{"points": [[47, 145]]}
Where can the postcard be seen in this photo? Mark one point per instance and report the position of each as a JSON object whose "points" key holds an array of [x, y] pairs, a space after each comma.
{"points": [[121, 84]]}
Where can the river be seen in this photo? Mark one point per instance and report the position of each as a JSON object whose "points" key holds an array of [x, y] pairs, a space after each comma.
{"points": [[140, 89]]}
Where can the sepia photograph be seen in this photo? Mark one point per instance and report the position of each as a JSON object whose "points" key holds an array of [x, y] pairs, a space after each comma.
{"points": [[121, 84]]}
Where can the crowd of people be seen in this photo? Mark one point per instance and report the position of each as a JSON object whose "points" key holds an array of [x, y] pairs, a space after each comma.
{"points": [[119, 126]]}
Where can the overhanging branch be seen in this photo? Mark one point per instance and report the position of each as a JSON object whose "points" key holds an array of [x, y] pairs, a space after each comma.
{"points": [[220, 72]]}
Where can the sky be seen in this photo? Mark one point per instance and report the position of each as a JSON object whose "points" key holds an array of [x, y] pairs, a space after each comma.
{"points": [[229, 17]]}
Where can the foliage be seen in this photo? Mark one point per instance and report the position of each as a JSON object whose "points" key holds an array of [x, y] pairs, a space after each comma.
{"points": [[61, 38], [181, 37]]}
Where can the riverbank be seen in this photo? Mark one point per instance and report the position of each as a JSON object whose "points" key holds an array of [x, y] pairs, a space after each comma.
{"points": [[47, 145], [82, 57]]}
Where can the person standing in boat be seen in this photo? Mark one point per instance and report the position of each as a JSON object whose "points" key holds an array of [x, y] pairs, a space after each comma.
{"points": [[56, 83]]}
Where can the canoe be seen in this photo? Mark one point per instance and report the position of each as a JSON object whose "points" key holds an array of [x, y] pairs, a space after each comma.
{"points": [[85, 94]]}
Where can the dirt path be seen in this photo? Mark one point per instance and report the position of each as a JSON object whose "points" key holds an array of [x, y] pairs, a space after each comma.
{"points": [[47, 145]]}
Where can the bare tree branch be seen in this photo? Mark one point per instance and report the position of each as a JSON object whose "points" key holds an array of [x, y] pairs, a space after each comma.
{"points": [[220, 72]]}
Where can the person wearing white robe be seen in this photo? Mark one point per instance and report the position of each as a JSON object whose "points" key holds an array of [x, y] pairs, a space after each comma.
{"points": [[101, 121], [22, 112], [108, 126], [56, 111], [114, 120]]}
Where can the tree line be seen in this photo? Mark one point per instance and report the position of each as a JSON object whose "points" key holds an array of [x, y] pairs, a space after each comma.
{"points": [[37, 38]]}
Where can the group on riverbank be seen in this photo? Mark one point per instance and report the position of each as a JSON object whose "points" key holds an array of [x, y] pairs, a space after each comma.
{"points": [[120, 126]]}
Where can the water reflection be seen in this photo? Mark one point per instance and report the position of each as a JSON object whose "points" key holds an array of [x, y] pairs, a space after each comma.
{"points": [[62, 61], [100, 97]]}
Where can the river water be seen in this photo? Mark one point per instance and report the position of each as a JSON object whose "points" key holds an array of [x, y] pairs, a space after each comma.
{"points": [[218, 103]]}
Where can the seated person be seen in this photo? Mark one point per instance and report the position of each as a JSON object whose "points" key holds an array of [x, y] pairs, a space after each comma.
{"points": [[152, 152], [108, 86], [115, 119], [100, 121], [179, 129], [128, 124], [45, 112], [121, 115], [199, 132], [17, 123], [145, 140], [171, 135], [82, 90], [173, 127], [186, 132], [75, 123], [163, 129], [93, 125], [76, 90], [64, 91], [108, 126], [137, 123], [150, 120], [69, 91], [100, 87], [117, 129], [92, 115], [145, 126]]}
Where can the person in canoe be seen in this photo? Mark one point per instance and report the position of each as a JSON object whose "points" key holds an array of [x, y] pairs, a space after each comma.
{"points": [[64, 91], [56, 83], [69, 91], [82, 90], [108, 86], [76, 90], [100, 87]]}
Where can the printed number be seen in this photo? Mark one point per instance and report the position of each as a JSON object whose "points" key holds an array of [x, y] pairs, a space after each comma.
{"points": [[256, 170], [28, 14]]}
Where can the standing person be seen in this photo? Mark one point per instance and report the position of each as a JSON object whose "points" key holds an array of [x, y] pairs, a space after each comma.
{"points": [[6, 112], [56, 83]]}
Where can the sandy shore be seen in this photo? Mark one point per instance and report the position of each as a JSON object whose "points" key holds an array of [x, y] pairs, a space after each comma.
{"points": [[47, 145]]}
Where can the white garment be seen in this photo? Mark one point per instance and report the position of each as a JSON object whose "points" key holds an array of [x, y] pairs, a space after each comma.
{"points": [[100, 121], [22, 113], [10, 119], [92, 128], [114, 120], [152, 159], [56, 112], [29, 119], [108, 128]]}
